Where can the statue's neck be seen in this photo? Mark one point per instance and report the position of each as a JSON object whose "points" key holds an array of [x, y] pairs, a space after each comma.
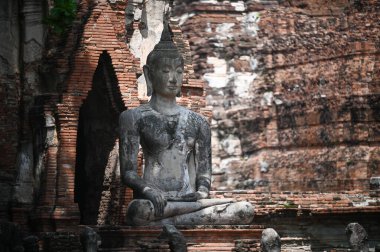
{"points": [[164, 105]]}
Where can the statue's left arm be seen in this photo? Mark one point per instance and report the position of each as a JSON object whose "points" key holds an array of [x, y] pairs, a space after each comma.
{"points": [[203, 153]]}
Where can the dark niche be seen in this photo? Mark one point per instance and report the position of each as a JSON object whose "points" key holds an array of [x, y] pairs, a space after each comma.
{"points": [[97, 133]]}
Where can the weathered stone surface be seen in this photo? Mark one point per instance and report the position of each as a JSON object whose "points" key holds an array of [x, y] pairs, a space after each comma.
{"points": [[89, 240], [23, 190], [9, 98], [314, 92], [270, 241], [31, 79], [30, 243], [377, 248], [151, 15], [199, 238], [357, 237], [296, 78], [97, 34], [111, 202], [61, 241], [10, 237], [176, 143], [177, 242], [374, 183]]}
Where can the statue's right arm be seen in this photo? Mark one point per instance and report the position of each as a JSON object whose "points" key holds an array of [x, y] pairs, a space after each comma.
{"points": [[128, 153], [129, 149]]}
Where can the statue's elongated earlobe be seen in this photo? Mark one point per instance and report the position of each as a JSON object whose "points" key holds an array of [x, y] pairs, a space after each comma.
{"points": [[149, 88]]}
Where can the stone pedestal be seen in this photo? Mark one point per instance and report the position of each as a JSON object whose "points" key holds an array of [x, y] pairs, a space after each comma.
{"points": [[205, 238]]}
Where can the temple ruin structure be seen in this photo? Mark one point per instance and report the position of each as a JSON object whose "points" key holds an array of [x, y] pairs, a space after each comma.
{"points": [[291, 90]]}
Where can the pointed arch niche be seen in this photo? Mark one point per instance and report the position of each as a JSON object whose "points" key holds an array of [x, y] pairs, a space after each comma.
{"points": [[96, 146], [100, 54], [102, 82]]}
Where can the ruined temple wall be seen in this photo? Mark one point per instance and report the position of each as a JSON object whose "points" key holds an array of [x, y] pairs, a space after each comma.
{"points": [[22, 42], [101, 30], [34, 73], [45, 79], [294, 88], [9, 98], [103, 34]]}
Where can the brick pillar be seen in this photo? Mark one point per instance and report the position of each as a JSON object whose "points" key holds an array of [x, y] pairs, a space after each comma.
{"points": [[41, 217], [66, 214], [46, 203]]}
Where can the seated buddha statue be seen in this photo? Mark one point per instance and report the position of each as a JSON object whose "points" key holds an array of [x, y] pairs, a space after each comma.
{"points": [[176, 145]]}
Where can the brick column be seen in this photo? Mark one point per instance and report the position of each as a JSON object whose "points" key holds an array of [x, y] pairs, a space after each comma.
{"points": [[66, 213], [41, 217], [46, 203]]}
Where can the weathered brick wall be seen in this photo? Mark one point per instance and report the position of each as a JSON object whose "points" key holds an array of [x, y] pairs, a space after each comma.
{"points": [[325, 97], [44, 84], [294, 88], [100, 33], [9, 101], [20, 55], [61, 242], [9, 125]]}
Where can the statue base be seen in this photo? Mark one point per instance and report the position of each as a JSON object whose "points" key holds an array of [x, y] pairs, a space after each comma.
{"points": [[199, 237]]}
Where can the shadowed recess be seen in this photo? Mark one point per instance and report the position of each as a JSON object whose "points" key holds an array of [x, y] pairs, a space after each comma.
{"points": [[97, 132]]}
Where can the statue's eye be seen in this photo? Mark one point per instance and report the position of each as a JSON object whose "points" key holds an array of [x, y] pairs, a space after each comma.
{"points": [[179, 71], [165, 70]]}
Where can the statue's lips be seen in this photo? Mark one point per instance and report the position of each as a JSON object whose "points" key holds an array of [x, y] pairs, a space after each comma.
{"points": [[172, 87]]}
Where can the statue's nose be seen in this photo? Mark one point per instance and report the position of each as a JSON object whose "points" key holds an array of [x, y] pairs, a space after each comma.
{"points": [[172, 79]]}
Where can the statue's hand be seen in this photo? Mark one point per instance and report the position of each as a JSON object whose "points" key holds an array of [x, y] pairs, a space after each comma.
{"points": [[202, 193], [158, 200]]}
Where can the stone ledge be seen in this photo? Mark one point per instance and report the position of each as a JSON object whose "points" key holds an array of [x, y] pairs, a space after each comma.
{"points": [[117, 237], [305, 203]]}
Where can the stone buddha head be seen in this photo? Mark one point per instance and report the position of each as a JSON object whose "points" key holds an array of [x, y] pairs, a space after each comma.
{"points": [[164, 69]]}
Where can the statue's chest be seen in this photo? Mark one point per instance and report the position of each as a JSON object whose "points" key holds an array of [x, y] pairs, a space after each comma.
{"points": [[161, 132]]}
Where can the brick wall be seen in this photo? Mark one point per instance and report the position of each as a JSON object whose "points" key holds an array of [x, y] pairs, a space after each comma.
{"points": [[294, 94], [102, 33], [294, 88], [10, 88], [61, 242], [9, 126]]}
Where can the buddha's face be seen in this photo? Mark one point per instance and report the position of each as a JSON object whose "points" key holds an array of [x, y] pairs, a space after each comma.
{"points": [[166, 76]]}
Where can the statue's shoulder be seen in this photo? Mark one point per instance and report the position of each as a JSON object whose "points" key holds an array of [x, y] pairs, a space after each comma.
{"points": [[198, 119], [132, 115]]}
